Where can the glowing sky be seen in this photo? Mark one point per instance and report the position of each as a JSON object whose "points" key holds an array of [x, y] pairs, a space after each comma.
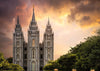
{"points": [[71, 20]]}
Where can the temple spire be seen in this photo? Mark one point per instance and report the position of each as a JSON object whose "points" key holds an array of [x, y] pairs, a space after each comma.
{"points": [[18, 26], [17, 19], [48, 21], [33, 17]]}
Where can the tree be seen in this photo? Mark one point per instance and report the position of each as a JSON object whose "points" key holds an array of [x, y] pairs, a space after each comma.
{"points": [[10, 60], [88, 54], [52, 65], [64, 63], [67, 62], [16, 67], [5, 65]]}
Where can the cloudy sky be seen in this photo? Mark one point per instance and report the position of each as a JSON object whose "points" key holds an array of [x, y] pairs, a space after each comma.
{"points": [[71, 20]]}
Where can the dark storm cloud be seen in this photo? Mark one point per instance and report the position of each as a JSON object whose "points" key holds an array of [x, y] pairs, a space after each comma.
{"points": [[85, 18], [8, 10], [86, 21], [87, 8], [4, 39], [90, 7], [5, 44], [56, 4]]}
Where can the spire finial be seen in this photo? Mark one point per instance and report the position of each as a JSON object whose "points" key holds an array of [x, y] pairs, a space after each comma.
{"points": [[17, 19], [48, 21], [33, 17]]}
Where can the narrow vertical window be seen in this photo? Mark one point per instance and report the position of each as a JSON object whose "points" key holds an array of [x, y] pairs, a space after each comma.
{"points": [[25, 56], [33, 54], [41, 56], [33, 42]]}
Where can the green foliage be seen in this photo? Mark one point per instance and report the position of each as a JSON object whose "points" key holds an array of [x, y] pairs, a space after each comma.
{"points": [[88, 54], [52, 65], [83, 57], [10, 60], [65, 62], [16, 67], [6, 66]]}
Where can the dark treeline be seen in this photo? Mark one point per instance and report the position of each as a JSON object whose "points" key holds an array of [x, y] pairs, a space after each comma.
{"points": [[83, 57]]}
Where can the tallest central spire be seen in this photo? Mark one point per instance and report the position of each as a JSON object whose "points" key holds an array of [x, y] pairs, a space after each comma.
{"points": [[33, 17]]}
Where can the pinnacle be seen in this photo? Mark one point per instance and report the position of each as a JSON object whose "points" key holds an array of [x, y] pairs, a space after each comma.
{"points": [[33, 17], [17, 19]]}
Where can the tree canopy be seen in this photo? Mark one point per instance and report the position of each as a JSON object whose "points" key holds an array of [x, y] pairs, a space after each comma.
{"points": [[6, 66]]}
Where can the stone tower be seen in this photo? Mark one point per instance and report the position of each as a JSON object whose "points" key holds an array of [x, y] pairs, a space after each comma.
{"points": [[48, 43], [33, 63], [18, 40]]}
